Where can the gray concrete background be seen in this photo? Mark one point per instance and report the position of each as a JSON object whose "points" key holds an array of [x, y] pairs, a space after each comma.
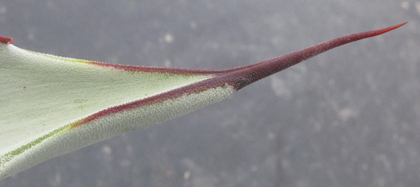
{"points": [[349, 117]]}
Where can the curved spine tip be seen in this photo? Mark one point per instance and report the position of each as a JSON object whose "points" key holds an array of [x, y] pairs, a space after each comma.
{"points": [[382, 31], [249, 74]]}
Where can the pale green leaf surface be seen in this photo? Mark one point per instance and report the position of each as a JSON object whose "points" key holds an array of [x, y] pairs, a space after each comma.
{"points": [[42, 96], [52, 105]]}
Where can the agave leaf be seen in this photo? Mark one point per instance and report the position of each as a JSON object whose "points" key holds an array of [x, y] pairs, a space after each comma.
{"points": [[51, 105]]}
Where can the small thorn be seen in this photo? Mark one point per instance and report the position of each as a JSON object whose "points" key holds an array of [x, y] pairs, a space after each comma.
{"points": [[6, 40]]}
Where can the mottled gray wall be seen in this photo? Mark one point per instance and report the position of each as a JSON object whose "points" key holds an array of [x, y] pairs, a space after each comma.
{"points": [[349, 117]]}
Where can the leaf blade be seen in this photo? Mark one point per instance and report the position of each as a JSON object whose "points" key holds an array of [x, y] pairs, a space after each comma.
{"points": [[52, 105]]}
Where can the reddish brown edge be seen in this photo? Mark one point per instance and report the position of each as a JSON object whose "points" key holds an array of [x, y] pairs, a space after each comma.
{"points": [[235, 77]]}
